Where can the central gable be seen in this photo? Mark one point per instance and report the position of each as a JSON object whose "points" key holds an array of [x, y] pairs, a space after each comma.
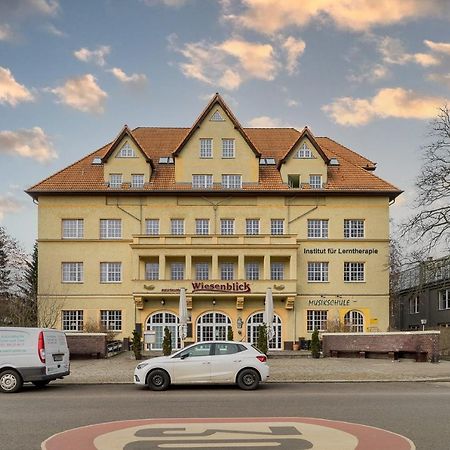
{"points": [[216, 145]]}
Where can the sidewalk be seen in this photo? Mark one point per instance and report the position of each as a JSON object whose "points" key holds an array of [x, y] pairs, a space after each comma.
{"points": [[120, 369]]}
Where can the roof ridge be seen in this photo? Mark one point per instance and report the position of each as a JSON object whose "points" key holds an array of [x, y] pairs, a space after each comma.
{"points": [[69, 166]]}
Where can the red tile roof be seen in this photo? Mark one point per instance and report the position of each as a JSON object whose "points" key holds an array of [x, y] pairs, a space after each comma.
{"points": [[353, 175]]}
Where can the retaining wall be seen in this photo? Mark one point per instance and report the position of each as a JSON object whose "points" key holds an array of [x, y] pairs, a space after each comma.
{"points": [[87, 344]]}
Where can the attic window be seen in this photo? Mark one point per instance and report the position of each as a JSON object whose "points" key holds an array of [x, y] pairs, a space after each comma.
{"points": [[334, 162], [217, 117], [294, 181], [166, 160], [304, 151], [126, 151], [267, 162], [96, 161]]}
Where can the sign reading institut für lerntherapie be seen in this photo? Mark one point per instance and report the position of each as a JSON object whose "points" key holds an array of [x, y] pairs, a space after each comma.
{"points": [[340, 251]]}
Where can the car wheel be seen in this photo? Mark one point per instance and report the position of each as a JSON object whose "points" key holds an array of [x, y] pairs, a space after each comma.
{"points": [[10, 381], [41, 383], [158, 380], [248, 379]]}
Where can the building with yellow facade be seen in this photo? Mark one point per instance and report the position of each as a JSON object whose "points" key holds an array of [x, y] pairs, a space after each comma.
{"points": [[225, 212]]}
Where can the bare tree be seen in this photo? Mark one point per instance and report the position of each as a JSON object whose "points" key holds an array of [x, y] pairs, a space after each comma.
{"points": [[431, 222]]}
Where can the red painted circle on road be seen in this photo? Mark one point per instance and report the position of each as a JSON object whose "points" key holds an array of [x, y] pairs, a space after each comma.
{"points": [[246, 433]]}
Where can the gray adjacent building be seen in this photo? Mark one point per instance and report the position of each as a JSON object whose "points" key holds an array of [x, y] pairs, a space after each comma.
{"points": [[422, 300]]}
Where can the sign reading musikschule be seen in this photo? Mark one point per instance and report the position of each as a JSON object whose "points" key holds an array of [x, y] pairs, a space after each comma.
{"points": [[340, 251]]}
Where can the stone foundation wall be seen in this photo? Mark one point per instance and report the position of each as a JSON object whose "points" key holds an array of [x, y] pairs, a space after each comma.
{"points": [[424, 345], [87, 344]]}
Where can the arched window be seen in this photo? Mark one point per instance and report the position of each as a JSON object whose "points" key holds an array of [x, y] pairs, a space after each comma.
{"points": [[213, 326], [157, 322], [354, 321], [254, 321]]}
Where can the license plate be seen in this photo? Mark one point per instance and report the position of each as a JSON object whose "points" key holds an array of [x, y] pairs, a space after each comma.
{"points": [[58, 357]]}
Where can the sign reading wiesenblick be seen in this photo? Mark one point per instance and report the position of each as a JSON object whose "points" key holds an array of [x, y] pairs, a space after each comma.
{"points": [[235, 287]]}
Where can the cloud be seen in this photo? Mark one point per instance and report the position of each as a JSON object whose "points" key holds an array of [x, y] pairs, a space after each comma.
{"points": [[21, 8], [294, 49], [8, 204], [171, 3], [137, 79], [388, 102], [51, 29], [393, 52], [6, 33], [11, 91], [370, 73], [271, 16], [82, 93], [441, 78], [440, 47], [96, 56], [291, 103], [32, 143], [227, 64], [264, 122]]}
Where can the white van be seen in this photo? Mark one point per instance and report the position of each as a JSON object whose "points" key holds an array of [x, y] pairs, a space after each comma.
{"points": [[36, 355]]}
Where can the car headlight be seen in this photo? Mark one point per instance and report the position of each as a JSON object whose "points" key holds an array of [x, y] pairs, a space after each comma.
{"points": [[141, 366]]}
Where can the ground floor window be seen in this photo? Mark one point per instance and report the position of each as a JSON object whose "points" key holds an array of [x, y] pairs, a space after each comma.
{"points": [[213, 326], [111, 320], [157, 322], [354, 321], [444, 299], [254, 321], [72, 320], [316, 320]]}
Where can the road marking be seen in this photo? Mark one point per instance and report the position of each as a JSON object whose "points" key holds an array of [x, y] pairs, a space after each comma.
{"points": [[280, 433]]}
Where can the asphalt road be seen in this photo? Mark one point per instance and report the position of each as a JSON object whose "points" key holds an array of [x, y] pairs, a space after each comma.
{"points": [[419, 411]]}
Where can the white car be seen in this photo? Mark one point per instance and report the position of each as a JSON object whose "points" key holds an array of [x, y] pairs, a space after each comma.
{"points": [[205, 362]]}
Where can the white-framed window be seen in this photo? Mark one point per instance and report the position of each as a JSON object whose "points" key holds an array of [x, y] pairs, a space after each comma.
{"points": [[228, 148], [202, 181], [252, 226], [110, 228], [414, 305], [252, 271], [276, 226], [253, 326], [316, 320], [304, 151], [72, 272], [110, 272], [317, 271], [206, 148], [126, 151], [152, 271], [72, 228], [317, 228], [354, 271], [213, 326], [177, 271], [294, 181], [217, 117], [226, 226], [158, 322], [227, 271], [231, 181], [177, 226], [444, 299], [111, 320], [72, 320], [354, 321], [202, 271], [202, 226], [115, 180], [353, 228], [315, 181], [137, 180], [152, 226], [277, 271]]}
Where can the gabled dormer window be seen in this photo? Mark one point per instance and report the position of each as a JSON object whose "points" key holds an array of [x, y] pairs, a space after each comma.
{"points": [[315, 181], [126, 151], [304, 151], [206, 148], [115, 180], [217, 117], [202, 181]]}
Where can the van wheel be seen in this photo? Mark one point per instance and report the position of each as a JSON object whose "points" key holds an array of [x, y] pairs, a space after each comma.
{"points": [[158, 380], [248, 379], [41, 383], [10, 381]]}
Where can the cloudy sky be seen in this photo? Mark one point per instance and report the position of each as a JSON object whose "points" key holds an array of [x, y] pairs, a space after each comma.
{"points": [[369, 74]]}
